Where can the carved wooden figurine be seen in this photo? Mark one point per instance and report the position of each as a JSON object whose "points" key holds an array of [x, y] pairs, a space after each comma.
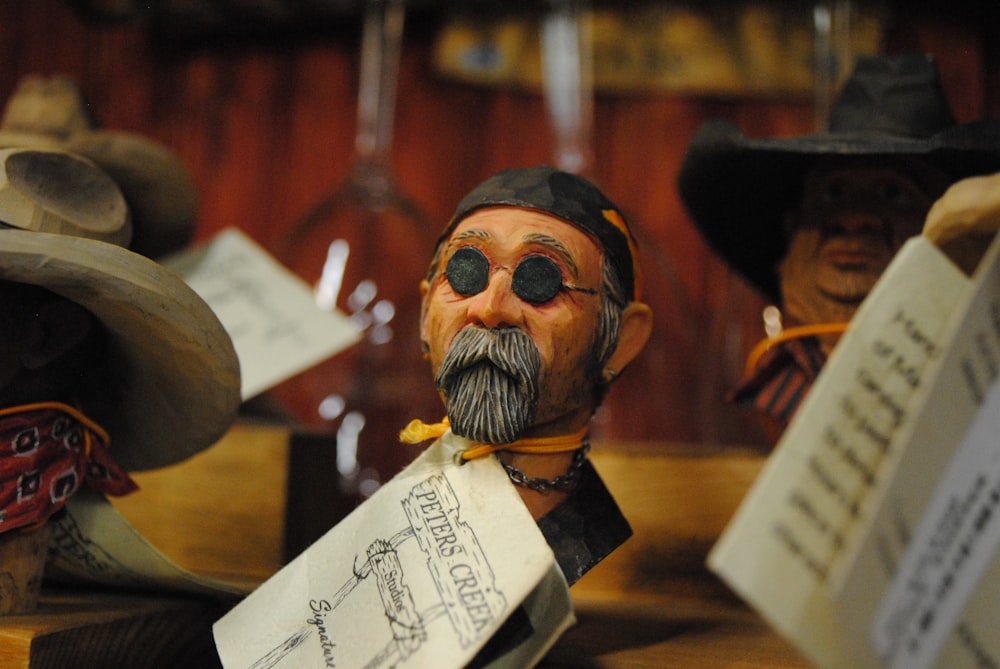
{"points": [[813, 221], [108, 362], [530, 311], [52, 113]]}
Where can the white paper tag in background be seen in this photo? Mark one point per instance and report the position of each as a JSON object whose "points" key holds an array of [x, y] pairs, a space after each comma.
{"points": [[92, 543], [269, 312], [954, 545]]}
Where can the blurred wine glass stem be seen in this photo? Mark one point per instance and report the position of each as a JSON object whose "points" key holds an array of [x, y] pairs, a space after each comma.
{"points": [[566, 75], [381, 41], [832, 54]]}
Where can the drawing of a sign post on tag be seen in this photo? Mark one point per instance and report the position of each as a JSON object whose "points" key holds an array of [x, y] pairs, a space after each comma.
{"points": [[455, 559], [407, 626], [459, 572]]}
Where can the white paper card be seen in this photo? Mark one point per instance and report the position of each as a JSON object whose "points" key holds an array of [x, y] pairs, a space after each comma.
{"points": [[420, 575], [807, 511], [276, 327], [882, 494], [956, 541], [92, 543]]}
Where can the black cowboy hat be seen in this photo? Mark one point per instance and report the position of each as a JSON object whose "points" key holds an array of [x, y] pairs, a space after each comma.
{"points": [[737, 189]]}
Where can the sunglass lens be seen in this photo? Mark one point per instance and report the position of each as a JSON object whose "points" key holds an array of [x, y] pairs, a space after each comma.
{"points": [[468, 271], [537, 279]]}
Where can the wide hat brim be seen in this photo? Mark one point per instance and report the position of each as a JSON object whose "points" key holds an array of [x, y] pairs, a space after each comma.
{"points": [[737, 189], [176, 373]]}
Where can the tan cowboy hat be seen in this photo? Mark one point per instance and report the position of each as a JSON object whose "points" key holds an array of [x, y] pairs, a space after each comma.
{"points": [[64, 225], [52, 113]]}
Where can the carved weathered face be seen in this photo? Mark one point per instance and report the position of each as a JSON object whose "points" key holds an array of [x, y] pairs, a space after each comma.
{"points": [[851, 221], [532, 279]]}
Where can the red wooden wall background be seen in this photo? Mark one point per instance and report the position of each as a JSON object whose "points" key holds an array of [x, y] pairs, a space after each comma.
{"points": [[267, 128]]}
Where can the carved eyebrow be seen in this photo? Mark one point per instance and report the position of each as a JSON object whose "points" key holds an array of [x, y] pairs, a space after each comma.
{"points": [[464, 236], [557, 247], [471, 233]]}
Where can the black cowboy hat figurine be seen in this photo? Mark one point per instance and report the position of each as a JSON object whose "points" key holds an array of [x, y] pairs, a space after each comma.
{"points": [[812, 221]]}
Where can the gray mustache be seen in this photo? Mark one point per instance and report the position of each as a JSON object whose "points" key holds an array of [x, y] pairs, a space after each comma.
{"points": [[489, 379], [510, 350]]}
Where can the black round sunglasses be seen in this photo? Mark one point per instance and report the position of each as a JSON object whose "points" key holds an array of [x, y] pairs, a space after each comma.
{"points": [[537, 279]]}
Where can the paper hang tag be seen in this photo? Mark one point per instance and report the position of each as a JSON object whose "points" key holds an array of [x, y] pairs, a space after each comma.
{"points": [[423, 574], [936, 608], [876, 512], [810, 510], [92, 543], [277, 329]]}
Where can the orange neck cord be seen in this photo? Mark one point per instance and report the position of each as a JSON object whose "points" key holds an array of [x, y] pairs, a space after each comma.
{"points": [[788, 334], [418, 431]]}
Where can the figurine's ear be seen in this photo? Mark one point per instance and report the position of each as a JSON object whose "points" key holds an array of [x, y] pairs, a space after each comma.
{"points": [[424, 288], [637, 325], [57, 326]]}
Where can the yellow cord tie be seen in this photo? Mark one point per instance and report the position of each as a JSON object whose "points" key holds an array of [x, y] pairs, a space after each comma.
{"points": [[418, 431], [788, 334]]}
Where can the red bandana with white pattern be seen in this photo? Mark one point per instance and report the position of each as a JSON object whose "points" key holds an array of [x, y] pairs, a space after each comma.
{"points": [[47, 451]]}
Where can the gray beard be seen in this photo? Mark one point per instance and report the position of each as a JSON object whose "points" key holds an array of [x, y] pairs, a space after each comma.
{"points": [[489, 379]]}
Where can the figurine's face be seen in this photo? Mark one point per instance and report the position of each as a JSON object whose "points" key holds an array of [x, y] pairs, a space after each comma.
{"points": [[532, 282], [851, 222]]}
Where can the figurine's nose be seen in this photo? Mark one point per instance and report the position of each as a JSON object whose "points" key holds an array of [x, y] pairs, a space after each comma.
{"points": [[496, 305], [859, 208], [858, 220], [855, 213]]}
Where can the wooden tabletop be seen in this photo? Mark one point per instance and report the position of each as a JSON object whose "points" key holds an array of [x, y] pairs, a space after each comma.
{"points": [[663, 633], [104, 630], [651, 603], [100, 630]]}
